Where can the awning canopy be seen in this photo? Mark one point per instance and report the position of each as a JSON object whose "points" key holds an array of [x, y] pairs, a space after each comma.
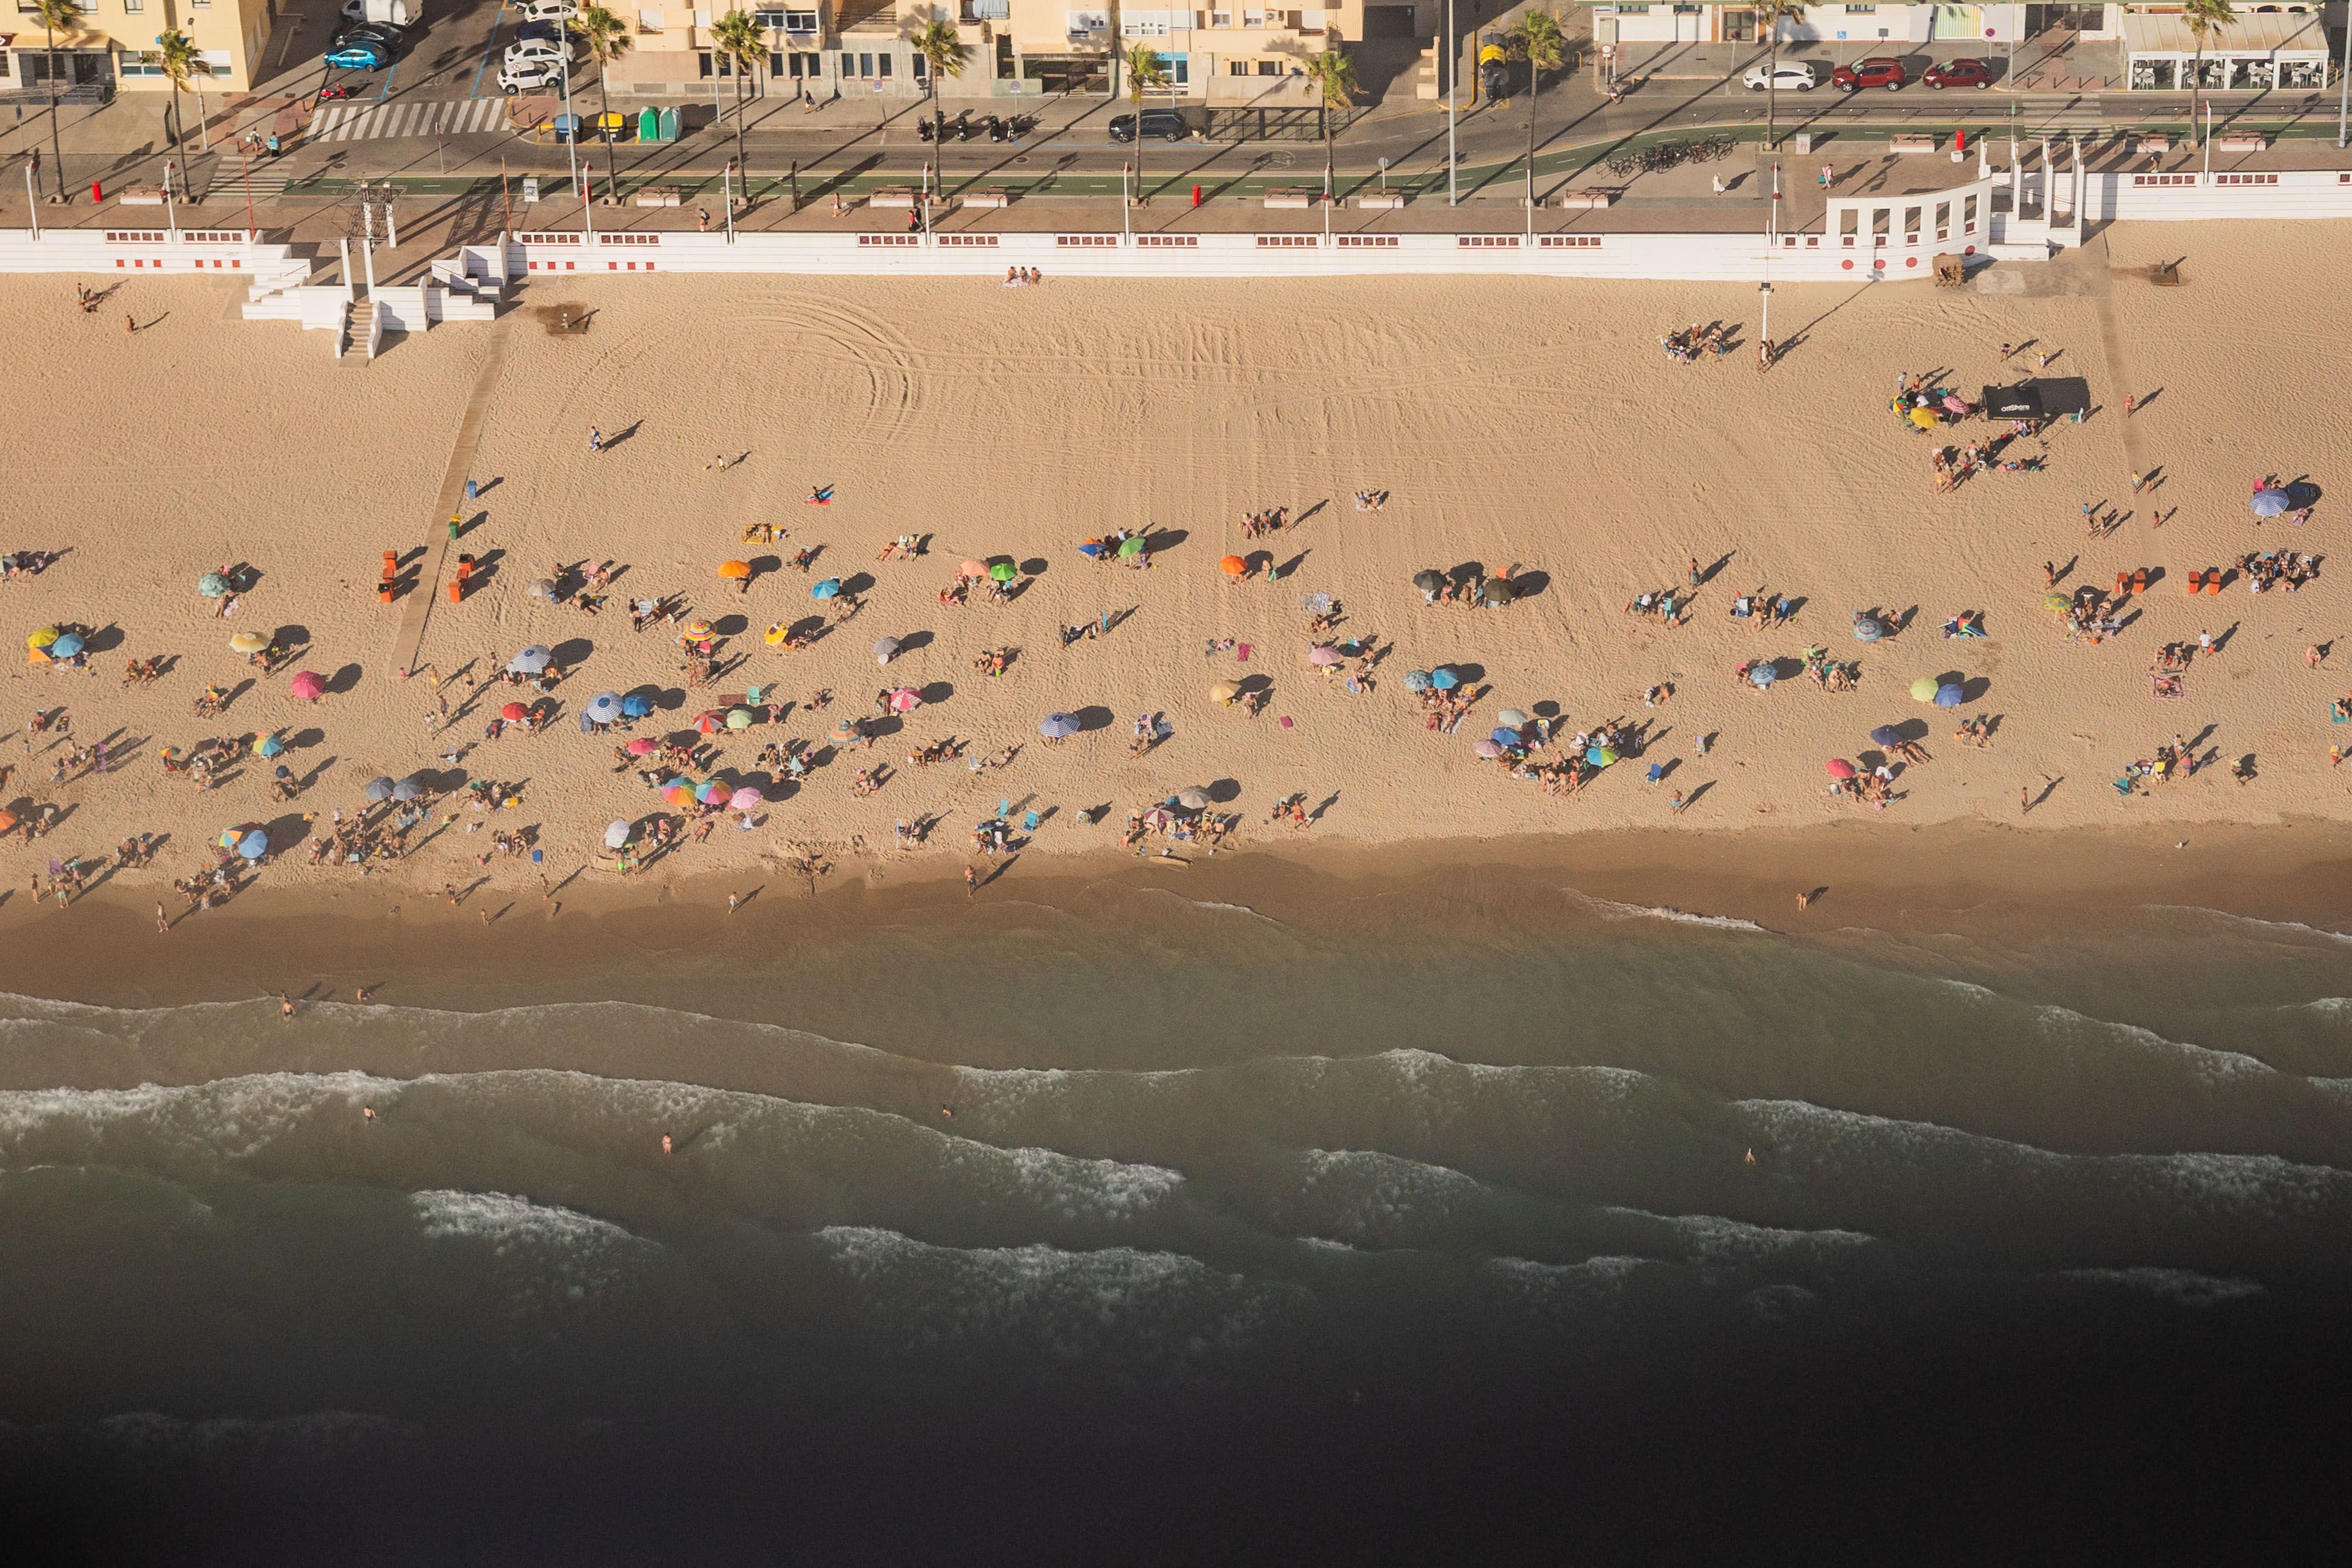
{"points": [[2255, 35]]}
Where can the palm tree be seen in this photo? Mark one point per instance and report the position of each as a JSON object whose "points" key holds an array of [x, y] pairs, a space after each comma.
{"points": [[1537, 36], [607, 37], [176, 53], [1769, 13], [54, 14], [1144, 72], [1332, 75], [737, 37], [2203, 18], [941, 52]]}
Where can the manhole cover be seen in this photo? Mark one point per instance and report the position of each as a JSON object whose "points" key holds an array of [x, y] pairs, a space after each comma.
{"points": [[1023, 157]]}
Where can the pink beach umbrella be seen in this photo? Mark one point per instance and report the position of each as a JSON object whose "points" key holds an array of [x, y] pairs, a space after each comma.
{"points": [[905, 699], [744, 799], [1325, 656], [644, 746], [1840, 767], [972, 568], [309, 685], [1485, 748]]}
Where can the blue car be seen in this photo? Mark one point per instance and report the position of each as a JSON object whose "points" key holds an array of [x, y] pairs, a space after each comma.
{"points": [[360, 54]]}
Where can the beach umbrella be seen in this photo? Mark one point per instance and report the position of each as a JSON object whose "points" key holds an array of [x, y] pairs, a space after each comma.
{"points": [[697, 631], [1867, 629], [1443, 680], [1094, 550], [1002, 571], [271, 746], [1599, 756], [1513, 717], [605, 707], [1486, 748], [885, 650], [2056, 603], [1419, 680], [1925, 418], [1886, 734], [905, 699], [1763, 674], [1503, 734], [308, 685], [1500, 591], [1953, 404], [776, 633], [1225, 691], [254, 845], [66, 647], [248, 642], [1840, 767], [1233, 566], [1923, 690], [745, 798], [1325, 656], [2269, 502], [734, 570], [616, 835], [709, 723], [7, 821], [644, 746], [829, 589], [972, 568], [713, 793], [543, 588], [587, 724], [1428, 581], [408, 789], [1058, 727], [42, 639], [1192, 800], [845, 730], [514, 713], [1949, 696], [281, 771], [679, 795], [531, 661], [1132, 546], [740, 717], [229, 836], [636, 704], [1158, 817], [212, 585], [379, 790]]}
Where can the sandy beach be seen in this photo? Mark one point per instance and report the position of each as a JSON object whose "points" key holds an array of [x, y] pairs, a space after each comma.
{"points": [[1529, 427]]}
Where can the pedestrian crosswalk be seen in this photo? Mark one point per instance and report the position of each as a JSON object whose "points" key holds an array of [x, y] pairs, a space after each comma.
{"points": [[373, 121]]}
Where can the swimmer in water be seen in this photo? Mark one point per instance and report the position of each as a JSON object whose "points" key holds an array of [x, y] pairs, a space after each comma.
{"points": [[664, 1142]]}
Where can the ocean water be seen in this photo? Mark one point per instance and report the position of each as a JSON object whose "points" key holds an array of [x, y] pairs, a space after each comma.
{"points": [[1474, 1221]]}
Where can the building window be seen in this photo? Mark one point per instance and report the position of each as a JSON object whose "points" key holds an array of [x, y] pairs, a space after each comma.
{"points": [[649, 20], [1632, 10], [133, 8], [865, 65], [787, 21], [1220, 19], [1270, 67], [882, 67], [922, 66], [1237, 68], [1861, 10], [776, 63], [1178, 66]]}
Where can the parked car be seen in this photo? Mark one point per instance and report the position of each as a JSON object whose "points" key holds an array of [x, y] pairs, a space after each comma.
{"points": [[549, 10], [1958, 73], [1168, 124], [552, 31], [1796, 75], [1878, 70], [532, 76], [538, 50], [371, 46], [398, 12]]}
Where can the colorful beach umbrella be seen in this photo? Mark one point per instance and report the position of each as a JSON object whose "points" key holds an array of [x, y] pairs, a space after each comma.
{"points": [[1840, 767], [2056, 603], [845, 730], [829, 589], [679, 795], [271, 746], [1093, 550], [213, 585], [905, 699], [308, 685], [697, 631], [709, 723], [248, 642], [1923, 690], [1599, 756], [1867, 629], [713, 793], [531, 661], [1058, 727]]}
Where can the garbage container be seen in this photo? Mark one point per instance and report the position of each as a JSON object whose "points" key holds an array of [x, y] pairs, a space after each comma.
{"points": [[1804, 141], [567, 127], [649, 125]]}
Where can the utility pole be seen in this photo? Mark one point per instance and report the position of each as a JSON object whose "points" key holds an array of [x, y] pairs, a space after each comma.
{"points": [[1452, 81], [2344, 83], [32, 200]]}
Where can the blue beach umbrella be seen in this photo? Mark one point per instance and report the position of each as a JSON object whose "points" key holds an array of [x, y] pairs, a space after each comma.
{"points": [[1443, 680], [829, 589], [1417, 680], [271, 746], [65, 647], [1763, 674], [2269, 503], [1599, 756], [1058, 727], [1504, 736], [1886, 734], [1947, 697], [254, 845], [213, 585], [1866, 629], [531, 661], [1093, 549], [636, 705]]}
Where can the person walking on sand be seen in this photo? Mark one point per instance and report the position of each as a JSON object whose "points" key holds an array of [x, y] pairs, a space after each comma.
{"points": [[971, 881], [596, 439], [2024, 799], [2204, 641], [2311, 656], [733, 901], [285, 1005], [2131, 405], [162, 922]]}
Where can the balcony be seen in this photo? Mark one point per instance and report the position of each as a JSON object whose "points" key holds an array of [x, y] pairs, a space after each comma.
{"points": [[865, 15], [974, 11]]}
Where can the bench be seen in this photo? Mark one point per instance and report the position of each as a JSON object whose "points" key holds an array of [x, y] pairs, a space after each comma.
{"points": [[2241, 142], [141, 196], [659, 197], [1290, 196], [1586, 200], [988, 196], [899, 196], [1913, 143], [1382, 201]]}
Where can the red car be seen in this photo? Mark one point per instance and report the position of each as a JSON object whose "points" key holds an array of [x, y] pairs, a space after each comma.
{"points": [[1879, 71], [1959, 73]]}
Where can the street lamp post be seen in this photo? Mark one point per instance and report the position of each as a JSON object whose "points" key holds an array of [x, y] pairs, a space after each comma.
{"points": [[32, 200], [2344, 82], [1452, 81]]}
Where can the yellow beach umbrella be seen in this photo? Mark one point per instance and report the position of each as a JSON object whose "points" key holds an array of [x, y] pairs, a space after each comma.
{"points": [[42, 638], [248, 642]]}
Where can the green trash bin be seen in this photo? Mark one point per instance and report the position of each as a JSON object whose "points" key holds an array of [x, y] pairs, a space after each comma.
{"points": [[669, 125], [649, 125]]}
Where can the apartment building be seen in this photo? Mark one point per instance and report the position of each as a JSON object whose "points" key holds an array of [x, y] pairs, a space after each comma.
{"points": [[115, 46], [860, 48]]}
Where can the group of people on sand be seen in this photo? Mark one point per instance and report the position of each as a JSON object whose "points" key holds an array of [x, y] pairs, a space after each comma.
{"points": [[2286, 569], [25, 563], [1694, 340], [1874, 788], [1020, 276], [1257, 525]]}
